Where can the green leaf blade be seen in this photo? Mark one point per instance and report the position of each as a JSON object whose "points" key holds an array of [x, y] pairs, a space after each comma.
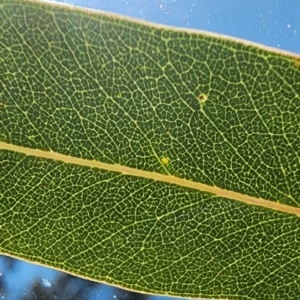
{"points": [[196, 107]]}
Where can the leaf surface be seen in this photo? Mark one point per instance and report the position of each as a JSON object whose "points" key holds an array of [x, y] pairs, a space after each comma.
{"points": [[160, 160]]}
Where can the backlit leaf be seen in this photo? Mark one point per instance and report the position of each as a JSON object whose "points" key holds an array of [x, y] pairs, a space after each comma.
{"points": [[160, 160]]}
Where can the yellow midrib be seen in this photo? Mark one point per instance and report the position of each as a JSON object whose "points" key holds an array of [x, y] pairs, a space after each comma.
{"points": [[154, 176]]}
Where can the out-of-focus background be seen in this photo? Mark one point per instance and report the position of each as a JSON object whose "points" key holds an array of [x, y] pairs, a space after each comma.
{"points": [[270, 22]]}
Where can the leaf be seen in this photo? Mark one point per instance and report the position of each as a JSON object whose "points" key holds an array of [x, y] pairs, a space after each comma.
{"points": [[160, 160]]}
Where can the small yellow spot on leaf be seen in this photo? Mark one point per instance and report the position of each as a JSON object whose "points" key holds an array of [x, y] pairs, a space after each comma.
{"points": [[164, 160], [202, 98], [118, 95]]}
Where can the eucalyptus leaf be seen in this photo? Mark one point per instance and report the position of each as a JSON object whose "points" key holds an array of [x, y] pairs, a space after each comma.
{"points": [[157, 159]]}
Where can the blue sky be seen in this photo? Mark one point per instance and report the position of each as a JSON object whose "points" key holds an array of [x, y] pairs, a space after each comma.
{"points": [[273, 23]]}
